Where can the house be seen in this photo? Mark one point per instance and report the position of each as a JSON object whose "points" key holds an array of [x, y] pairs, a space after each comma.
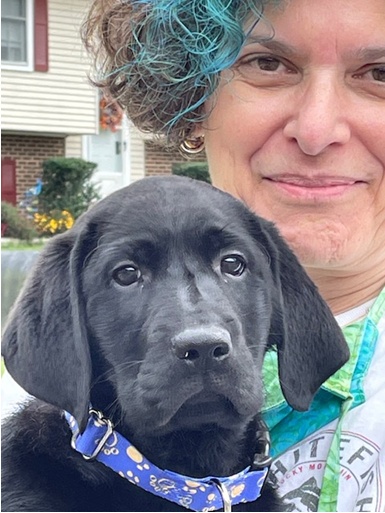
{"points": [[46, 100], [49, 109]]}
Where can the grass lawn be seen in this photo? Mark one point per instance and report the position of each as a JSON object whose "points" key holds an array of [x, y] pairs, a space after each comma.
{"points": [[21, 244]]}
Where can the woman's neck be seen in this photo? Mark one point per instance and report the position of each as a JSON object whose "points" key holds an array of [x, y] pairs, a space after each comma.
{"points": [[344, 290]]}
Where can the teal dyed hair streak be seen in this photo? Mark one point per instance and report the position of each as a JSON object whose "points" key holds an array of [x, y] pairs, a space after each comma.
{"points": [[162, 58]]}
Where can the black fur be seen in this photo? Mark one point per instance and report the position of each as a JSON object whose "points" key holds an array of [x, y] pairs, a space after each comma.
{"points": [[174, 359]]}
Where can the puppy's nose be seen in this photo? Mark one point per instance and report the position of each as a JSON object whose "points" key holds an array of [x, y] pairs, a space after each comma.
{"points": [[202, 345]]}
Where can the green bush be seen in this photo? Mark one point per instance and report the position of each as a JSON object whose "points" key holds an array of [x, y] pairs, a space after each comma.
{"points": [[196, 170], [17, 225], [67, 186]]}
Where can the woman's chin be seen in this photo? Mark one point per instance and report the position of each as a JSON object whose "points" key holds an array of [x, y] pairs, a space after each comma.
{"points": [[318, 244]]}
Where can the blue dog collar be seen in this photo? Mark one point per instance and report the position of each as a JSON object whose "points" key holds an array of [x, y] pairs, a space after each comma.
{"points": [[102, 443]]}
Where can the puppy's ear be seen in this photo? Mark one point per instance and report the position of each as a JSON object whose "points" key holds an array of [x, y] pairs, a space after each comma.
{"points": [[45, 341], [311, 346]]}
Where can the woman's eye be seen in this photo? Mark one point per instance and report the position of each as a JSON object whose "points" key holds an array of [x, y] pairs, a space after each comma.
{"points": [[267, 70], [233, 265], [373, 73], [379, 74], [126, 275], [371, 79], [268, 63]]}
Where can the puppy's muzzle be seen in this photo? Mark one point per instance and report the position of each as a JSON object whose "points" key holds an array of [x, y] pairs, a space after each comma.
{"points": [[203, 346]]}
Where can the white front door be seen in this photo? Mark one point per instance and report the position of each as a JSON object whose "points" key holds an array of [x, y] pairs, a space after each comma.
{"points": [[109, 150]]}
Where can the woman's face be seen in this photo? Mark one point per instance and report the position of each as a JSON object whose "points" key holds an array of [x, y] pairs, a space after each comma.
{"points": [[298, 129]]}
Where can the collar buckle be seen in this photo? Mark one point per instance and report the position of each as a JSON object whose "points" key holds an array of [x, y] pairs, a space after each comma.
{"points": [[101, 421]]}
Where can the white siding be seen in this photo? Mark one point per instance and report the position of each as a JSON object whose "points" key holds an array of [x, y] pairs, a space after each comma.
{"points": [[74, 146], [137, 160], [60, 101]]}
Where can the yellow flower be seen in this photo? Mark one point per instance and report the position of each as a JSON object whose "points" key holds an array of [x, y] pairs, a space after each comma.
{"points": [[69, 223], [54, 221]]}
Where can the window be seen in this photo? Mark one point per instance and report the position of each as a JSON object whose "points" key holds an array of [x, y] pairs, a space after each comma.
{"points": [[24, 38], [17, 34]]}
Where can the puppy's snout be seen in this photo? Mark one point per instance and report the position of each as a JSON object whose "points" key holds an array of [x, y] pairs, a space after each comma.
{"points": [[202, 345]]}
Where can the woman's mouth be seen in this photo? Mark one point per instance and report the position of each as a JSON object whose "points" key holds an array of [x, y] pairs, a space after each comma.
{"points": [[313, 188]]}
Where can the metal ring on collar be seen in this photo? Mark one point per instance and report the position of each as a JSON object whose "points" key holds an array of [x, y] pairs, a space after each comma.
{"points": [[102, 421], [226, 499]]}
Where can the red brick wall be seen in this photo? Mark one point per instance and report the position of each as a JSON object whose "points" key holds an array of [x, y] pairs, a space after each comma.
{"points": [[159, 161], [29, 152]]}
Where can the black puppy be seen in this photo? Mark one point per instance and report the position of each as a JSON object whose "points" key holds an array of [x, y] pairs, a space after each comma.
{"points": [[157, 309]]}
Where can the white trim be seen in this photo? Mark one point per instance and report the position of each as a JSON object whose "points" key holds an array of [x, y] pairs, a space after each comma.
{"points": [[126, 150], [30, 43], [86, 147]]}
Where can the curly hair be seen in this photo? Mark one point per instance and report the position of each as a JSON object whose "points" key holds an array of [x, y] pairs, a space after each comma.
{"points": [[161, 59]]}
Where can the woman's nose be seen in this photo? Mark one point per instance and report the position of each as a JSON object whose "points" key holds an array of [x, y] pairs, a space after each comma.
{"points": [[320, 118]]}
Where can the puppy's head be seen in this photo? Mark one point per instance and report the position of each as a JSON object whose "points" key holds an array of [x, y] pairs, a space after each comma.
{"points": [[170, 291]]}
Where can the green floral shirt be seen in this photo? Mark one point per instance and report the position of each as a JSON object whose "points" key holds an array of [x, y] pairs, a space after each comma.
{"points": [[337, 396]]}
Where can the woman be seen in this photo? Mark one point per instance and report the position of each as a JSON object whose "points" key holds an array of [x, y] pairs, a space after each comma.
{"points": [[288, 100]]}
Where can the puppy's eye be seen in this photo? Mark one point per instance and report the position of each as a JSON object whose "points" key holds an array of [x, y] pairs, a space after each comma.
{"points": [[233, 264], [126, 275]]}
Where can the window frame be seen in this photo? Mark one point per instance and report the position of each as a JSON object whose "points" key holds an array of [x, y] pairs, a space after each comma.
{"points": [[29, 65]]}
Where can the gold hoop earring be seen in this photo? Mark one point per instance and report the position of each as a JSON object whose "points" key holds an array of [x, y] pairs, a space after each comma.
{"points": [[192, 145]]}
